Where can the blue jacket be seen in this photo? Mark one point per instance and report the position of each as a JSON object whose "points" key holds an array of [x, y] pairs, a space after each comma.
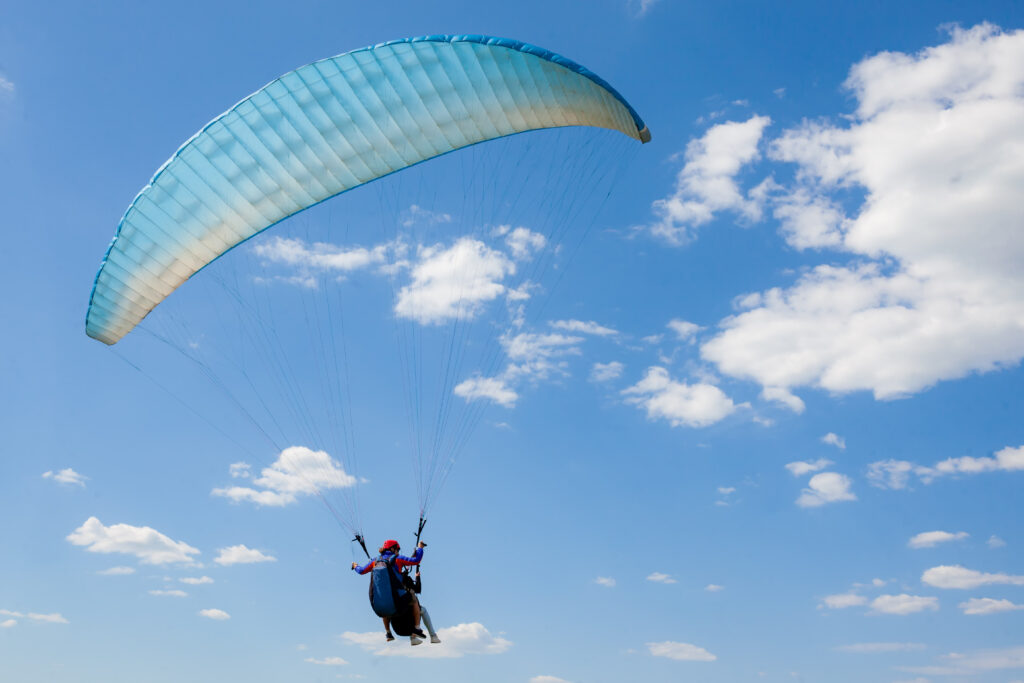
{"points": [[396, 566]]}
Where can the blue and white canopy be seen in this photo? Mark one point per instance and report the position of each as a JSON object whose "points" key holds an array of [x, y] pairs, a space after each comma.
{"points": [[326, 128]]}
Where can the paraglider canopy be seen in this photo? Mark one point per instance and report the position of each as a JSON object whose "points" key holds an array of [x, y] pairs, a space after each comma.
{"points": [[325, 128]]}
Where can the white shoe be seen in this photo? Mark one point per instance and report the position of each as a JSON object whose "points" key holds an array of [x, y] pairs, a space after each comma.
{"points": [[434, 638], [414, 640]]}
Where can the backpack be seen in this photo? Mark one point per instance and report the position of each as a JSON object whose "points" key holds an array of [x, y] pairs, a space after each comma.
{"points": [[386, 592]]}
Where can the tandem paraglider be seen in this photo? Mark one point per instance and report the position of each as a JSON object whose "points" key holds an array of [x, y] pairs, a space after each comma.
{"points": [[324, 129]]}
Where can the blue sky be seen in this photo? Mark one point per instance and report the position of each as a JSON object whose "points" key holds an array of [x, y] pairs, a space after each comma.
{"points": [[756, 416]]}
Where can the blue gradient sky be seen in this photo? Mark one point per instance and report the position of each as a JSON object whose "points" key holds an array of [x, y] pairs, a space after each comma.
{"points": [[806, 248]]}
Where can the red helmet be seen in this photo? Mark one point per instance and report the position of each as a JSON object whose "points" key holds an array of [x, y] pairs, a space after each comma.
{"points": [[390, 545]]}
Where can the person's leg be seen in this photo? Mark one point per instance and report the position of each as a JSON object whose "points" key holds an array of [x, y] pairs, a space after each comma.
{"points": [[387, 627], [430, 626]]}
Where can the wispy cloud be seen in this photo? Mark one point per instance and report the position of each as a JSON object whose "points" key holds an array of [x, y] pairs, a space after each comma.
{"points": [[842, 601], [584, 327], [66, 476], [52, 618], [684, 652], [494, 389], [659, 577], [215, 614], [606, 581], [930, 539], [173, 593], [956, 576], [800, 468], [834, 439], [972, 664], [980, 606], [903, 604], [326, 661], [196, 580], [116, 571], [605, 372], [685, 330], [456, 641], [877, 648]]}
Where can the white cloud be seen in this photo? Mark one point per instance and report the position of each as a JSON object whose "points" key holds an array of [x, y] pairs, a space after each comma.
{"points": [[536, 355], [54, 618], [319, 256], [934, 291], [581, 327], [6, 85], [606, 581], [974, 663], [834, 439], [995, 542], [642, 6], [930, 539], [239, 554], [196, 580], [453, 282], [707, 182], [800, 468], [456, 641], [66, 476], [116, 571], [523, 242], [658, 577], [680, 651], [685, 331], [145, 543], [327, 661], [875, 648], [690, 405], [713, 588], [903, 604], [785, 397], [240, 470], [490, 388], [827, 487], [1006, 460], [726, 490], [890, 474], [842, 601], [169, 593], [417, 215], [8, 623], [547, 679], [979, 606], [215, 614], [895, 474], [604, 372], [955, 576], [297, 471]]}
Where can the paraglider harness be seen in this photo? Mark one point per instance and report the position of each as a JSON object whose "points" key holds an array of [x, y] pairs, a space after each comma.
{"points": [[388, 597]]}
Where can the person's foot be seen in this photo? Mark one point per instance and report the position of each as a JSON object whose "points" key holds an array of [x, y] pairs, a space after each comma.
{"points": [[413, 640], [434, 638], [388, 636], [419, 633]]}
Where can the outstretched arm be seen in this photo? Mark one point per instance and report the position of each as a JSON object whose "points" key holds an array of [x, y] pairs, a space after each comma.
{"points": [[403, 561], [362, 570]]}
